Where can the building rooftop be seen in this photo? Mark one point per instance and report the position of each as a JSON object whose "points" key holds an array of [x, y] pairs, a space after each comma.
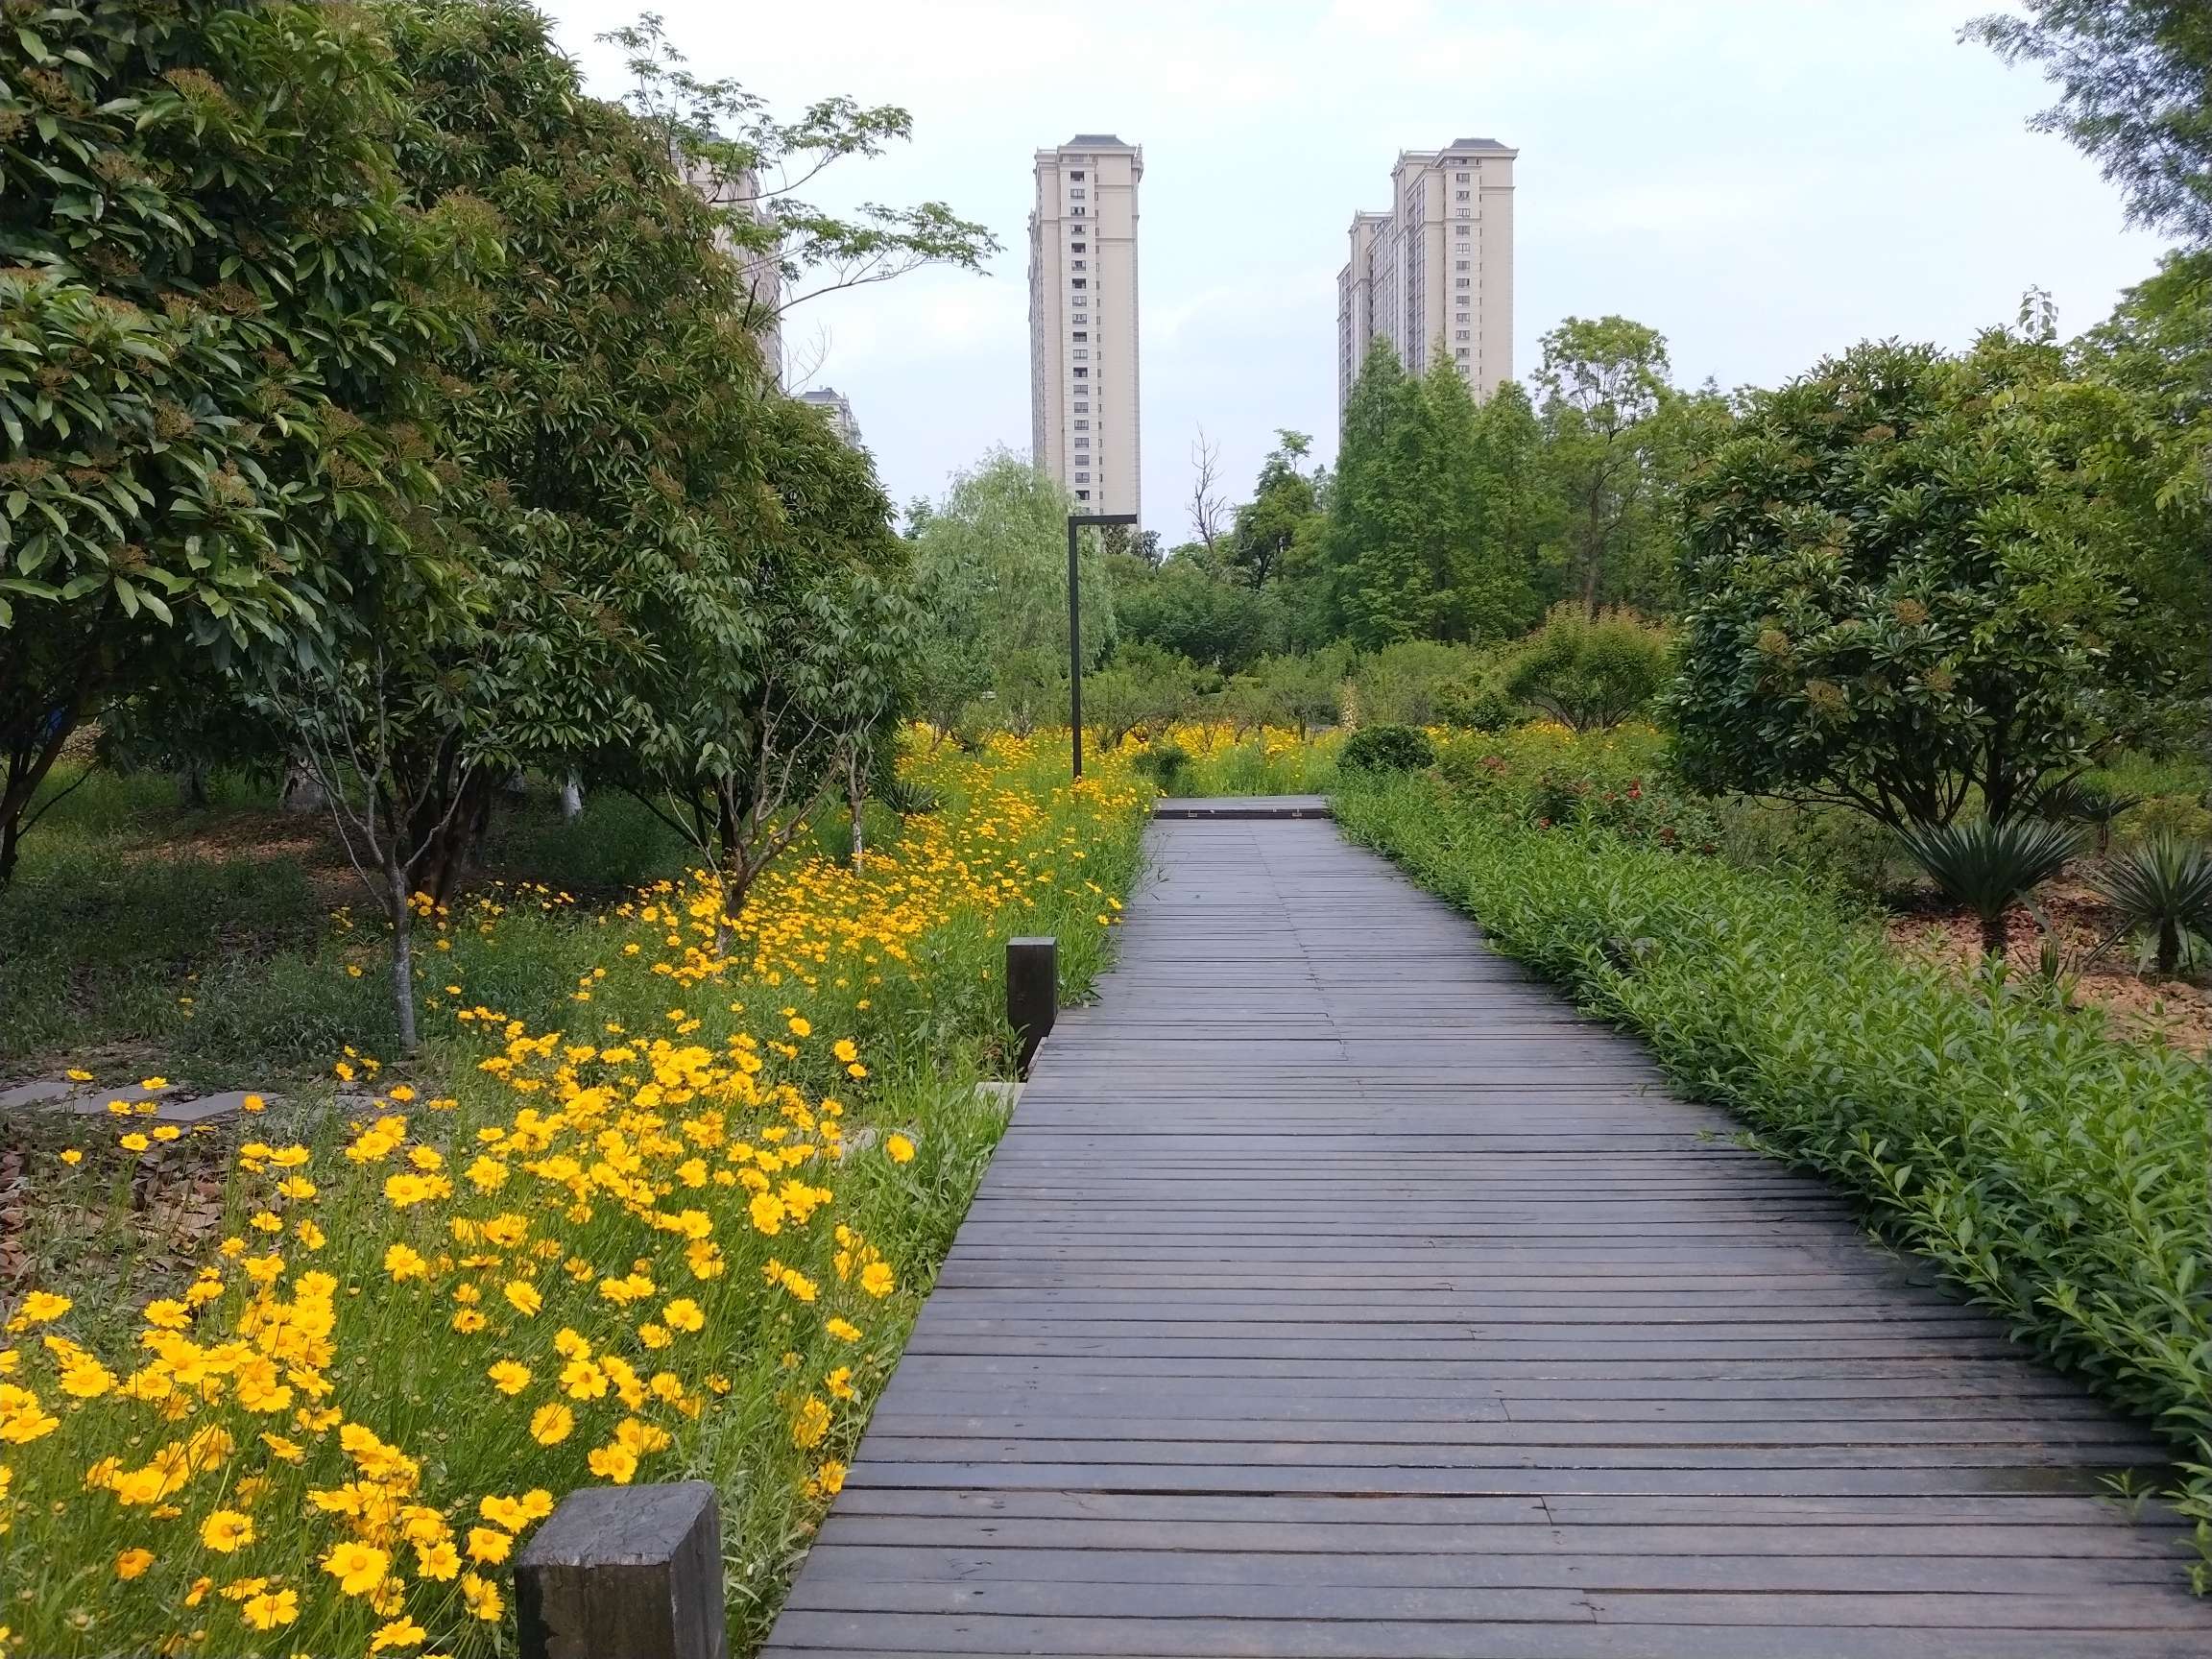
{"points": [[1476, 144], [1095, 141]]}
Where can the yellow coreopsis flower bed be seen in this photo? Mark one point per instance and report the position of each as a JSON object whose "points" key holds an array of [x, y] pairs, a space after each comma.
{"points": [[604, 1258]]}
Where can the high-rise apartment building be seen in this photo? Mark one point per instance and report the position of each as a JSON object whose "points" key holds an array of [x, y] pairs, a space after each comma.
{"points": [[1435, 269], [1083, 427], [740, 192], [837, 409]]}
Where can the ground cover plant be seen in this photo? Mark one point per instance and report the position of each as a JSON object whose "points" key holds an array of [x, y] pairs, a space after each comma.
{"points": [[639, 1209], [2056, 1173]]}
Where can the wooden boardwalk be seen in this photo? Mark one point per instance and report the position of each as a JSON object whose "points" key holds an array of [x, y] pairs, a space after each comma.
{"points": [[1339, 1291]]}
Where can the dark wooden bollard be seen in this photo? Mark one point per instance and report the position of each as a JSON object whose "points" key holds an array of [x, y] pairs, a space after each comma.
{"points": [[1032, 995], [625, 1573]]}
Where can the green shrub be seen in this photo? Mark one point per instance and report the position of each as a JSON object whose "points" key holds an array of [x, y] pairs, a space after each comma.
{"points": [[1990, 864], [1169, 765], [1479, 705], [1592, 674], [2055, 1174], [1387, 749]]}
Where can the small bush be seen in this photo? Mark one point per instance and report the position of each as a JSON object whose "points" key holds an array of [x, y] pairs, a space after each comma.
{"points": [[1387, 749], [1168, 765], [1591, 674]]}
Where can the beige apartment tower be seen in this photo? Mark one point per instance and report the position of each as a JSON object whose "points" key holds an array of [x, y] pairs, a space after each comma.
{"points": [[1083, 386], [1435, 268]]}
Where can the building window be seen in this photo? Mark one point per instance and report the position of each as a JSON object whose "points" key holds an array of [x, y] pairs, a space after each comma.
{"points": [[1460, 196], [1078, 178], [1463, 334], [1462, 281], [1082, 354], [1463, 317], [1081, 317], [1079, 283], [1082, 494], [1082, 443], [1081, 265], [1464, 212], [1463, 265], [1082, 425], [1085, 248], [1080, 335], [1075, 212], [1082, 477], [1076, 194], [1459, 351], [1082, 374], [1462, 177], [1082, 408]]}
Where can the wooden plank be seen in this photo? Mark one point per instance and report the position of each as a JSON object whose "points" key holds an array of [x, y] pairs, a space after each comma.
{"points": [[1338, 1291]]}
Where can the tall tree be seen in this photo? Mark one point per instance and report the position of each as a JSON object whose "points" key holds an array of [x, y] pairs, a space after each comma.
{"points": [[1209, 507], [1379, 587], [1284, 498], [1604, 378], [2136, 94], [209, 392], [1516, 514]]}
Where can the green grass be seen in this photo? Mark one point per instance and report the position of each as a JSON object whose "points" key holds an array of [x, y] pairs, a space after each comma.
{"points": [[2055, 1174]]}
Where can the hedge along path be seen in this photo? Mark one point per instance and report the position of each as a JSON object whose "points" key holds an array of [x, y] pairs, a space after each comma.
{"points": [[1340, 1290]]}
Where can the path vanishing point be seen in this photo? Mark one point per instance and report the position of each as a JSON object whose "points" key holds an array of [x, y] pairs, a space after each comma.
{"points": [[1339, 1290]]}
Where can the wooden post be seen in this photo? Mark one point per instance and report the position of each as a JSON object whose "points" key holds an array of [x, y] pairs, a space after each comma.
{"points": [[625, 1573], [1032, 995]]}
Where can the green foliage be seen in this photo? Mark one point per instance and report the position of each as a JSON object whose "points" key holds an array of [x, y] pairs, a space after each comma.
{"points": [[1990, 864], [1387, 749], [1168, 766], [1403, 684], [1194, 609], [1284, 500], [989, 576], [1590, 672], [209, 331], [2133, 73], [1433, 512], [2164, 885], [1549, 778], [1604, 382], [2053, 1173], [1909, 583], [1142, 692], [1291, 692]]}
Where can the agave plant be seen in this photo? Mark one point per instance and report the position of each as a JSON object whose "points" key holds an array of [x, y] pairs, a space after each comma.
{"points": [[1990, 864], [2087, 800], [2165, 887]]}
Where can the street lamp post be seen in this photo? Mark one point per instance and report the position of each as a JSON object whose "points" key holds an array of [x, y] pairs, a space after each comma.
{"points": [[1075, 523]]}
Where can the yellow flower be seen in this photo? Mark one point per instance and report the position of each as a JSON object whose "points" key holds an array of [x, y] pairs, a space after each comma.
{"points": [[523, 1297], [509, 1377], [842, 1330], [767, 1213], [226, 1530], [70, 1155], [683, 1315], [359, 1568], [133, 1563], [483, 1597], [875, 1279], [831, 1477], [845, 1051], [800, 1026], [489, 1545], [583, 1380], [810, 1425], [438, 1560], [615, 1463], [404, 1263], [39, 1308], [551, 1424], [900, 1148], [397, 1633], [271, 1608]]}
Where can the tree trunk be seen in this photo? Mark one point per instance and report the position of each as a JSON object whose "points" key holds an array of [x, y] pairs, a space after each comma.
{"points": [[1993, 935], [571, 799], [399, 906], [302, 791], [192, 785], [2169, 948], [857, 804]]}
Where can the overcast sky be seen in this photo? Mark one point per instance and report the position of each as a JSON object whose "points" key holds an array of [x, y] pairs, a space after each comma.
{"points": [[1762, 180]]}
